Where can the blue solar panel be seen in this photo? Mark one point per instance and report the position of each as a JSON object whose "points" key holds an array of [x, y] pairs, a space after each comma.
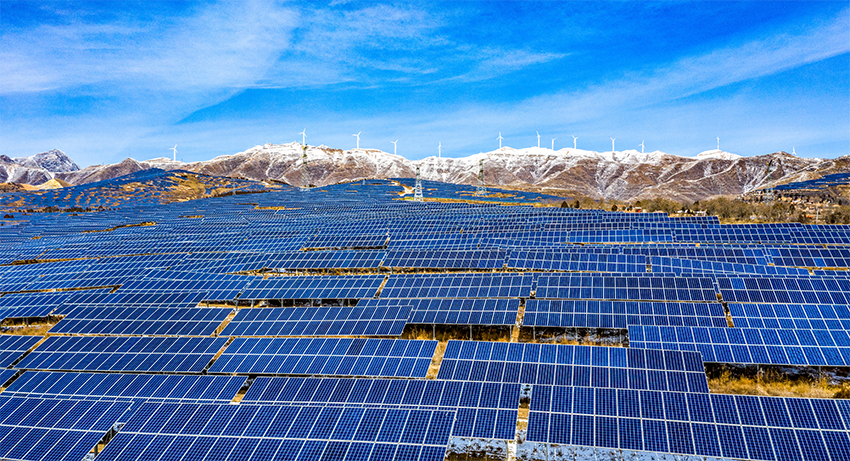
{"points": [[484, 410], [446, 259], [457, 286], [750, 345], [645, 288], [49, 429], [620, 314], [714, 425], [327, 356], [319, 287], [118, 386], [319, 321], [129, 354], [216, 432], [791, 316], [453, 311], [13, 347], [142, 321], [569, 365], [810, 290]]}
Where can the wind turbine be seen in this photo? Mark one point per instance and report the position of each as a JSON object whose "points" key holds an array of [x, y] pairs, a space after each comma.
{"points": [[175, 152], [500, 138], [793, 151], [440, 150], [718, 143], [538, 140], [575, 138], [358, 138], [641, 147], [395, 147], [553, 143], [612, 144]]}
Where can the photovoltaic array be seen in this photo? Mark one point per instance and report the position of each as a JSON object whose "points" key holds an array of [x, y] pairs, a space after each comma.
{"points": [[297, 324]]}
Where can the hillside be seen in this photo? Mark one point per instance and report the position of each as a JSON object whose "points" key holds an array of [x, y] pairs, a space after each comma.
{"points": [[622, 175]]}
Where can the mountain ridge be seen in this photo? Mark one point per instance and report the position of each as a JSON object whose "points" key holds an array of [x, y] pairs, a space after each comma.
{"points": [[621, 175]]}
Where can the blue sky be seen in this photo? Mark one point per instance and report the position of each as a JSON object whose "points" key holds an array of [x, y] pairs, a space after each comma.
{"points": [[106, 80]]}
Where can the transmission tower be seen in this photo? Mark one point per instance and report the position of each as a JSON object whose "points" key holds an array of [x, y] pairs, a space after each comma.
{"points": [[417, 189], [482, 188], [768, 194], [305, 175]]}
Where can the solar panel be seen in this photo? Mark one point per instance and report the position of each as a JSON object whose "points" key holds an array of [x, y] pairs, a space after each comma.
{"points": [[791, 316], [453, 311], [135, 387], [645, 288], [216, 432], [318, 287], [128, 354], [142, 321], [298, 260], [400, 358], [809, 290], [13, 347], [319, 321], [715, 425], [446, 259], [555, 260], [6, 375], [569, 365], [484, 410], [49, 429], [457, 286], [31, 304], [620, 314], [749, 345], [678, 266]]}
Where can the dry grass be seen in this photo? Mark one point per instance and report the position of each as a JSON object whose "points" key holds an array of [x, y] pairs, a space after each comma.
{"points": [[434, 369], [772, 383], [35, 329]]}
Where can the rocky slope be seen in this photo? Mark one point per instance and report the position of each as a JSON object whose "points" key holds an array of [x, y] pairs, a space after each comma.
{"points": [[625, 175]]}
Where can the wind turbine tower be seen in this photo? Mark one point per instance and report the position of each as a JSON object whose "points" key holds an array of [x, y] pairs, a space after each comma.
{"points": [[612, 144], [500, 138], [417, 189], [538, 140], [482, 188], [175, 152], [641, 147], [303, 134], [718, 143], [575, 138], [553, 143], [793, 151], [395, 147], [440, 150], [358, 138]]}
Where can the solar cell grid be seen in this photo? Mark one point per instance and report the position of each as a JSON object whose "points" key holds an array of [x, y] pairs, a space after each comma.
{"points": [[749, 345], [317, 287], [266, 432], [453, 311], [327, 356], [156, 321], [446, 259], [714, 425], [136, 387], [581, 286], [596, 366], [620, 314], [128, 354], [791, 316], [484, 410], [319, 321], [457, 286], [48, 429], [12, 347]]}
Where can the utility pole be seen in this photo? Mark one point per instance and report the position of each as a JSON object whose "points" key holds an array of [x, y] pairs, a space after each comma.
{"points": [[417, 189]]}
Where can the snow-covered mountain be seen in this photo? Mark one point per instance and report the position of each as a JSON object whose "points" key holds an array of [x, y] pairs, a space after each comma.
{"points": [[54, 161], [621, 175]]}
